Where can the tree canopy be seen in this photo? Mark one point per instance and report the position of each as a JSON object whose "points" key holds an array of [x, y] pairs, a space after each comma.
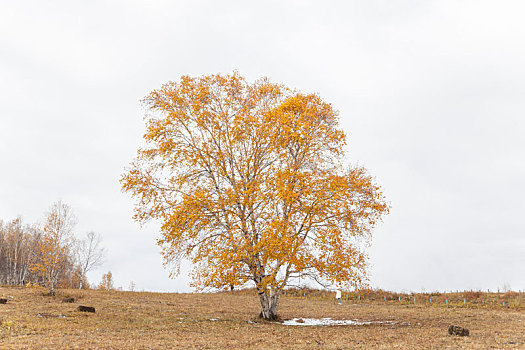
{"points": [[249, 183]]}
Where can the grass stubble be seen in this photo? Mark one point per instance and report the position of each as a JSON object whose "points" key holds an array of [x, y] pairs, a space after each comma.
{"points": [[142, 320]]}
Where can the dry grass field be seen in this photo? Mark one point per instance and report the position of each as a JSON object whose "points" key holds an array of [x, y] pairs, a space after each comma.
{"points": [[139, 320]]}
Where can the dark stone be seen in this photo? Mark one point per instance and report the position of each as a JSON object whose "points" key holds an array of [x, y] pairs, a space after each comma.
{"points": [[3, 301], [300, 320], [85, 308], [457, 330], [68, 300]]}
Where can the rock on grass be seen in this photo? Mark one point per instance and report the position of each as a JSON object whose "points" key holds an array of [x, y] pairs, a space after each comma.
{"points": [[85, 308], [457, 330]]}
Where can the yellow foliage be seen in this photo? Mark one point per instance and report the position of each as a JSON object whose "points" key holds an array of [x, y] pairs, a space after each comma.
{"points": [[53, 247], [107, 282], [249, 183]]}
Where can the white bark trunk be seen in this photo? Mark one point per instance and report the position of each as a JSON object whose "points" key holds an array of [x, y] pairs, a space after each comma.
{"points": [[269, 302]]}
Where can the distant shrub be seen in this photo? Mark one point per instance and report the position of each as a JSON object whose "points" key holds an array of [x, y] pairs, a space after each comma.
{"points": [[511, 295], [107, 282], [471, 295]]}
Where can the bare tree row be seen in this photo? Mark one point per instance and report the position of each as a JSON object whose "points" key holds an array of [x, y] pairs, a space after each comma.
{"points": [[49, 253]]}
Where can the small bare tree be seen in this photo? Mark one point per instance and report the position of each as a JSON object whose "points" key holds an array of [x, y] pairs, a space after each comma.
{"points": [[107, 282], [90, 253]]}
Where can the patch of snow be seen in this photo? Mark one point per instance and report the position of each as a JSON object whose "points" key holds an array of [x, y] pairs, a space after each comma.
{"points": [[329, 322], [50, 315], [214, 319]]}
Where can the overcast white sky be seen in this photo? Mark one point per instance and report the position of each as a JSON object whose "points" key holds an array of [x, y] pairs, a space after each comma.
{"points": [[430, 93]]}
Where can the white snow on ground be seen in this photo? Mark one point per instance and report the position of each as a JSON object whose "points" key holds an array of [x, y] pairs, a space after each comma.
{"points": [[329, 322]]}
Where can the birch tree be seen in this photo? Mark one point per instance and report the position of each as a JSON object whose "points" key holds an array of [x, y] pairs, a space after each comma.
{"points": [[249, 183], [15, 251], [54, 246], [90, 253]]}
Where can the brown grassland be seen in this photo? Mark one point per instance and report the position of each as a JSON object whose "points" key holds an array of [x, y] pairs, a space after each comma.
{"points": [[141, 320]]}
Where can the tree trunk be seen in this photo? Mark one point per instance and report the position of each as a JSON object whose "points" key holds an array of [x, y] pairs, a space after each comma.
{"points": [[269, 301], [52, 289]]}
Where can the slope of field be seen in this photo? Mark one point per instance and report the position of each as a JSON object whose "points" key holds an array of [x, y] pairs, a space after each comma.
{"points": [[138, 320]]}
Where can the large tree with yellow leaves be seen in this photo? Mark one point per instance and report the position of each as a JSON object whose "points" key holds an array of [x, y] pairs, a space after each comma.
{"points": [[249, 183]]}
